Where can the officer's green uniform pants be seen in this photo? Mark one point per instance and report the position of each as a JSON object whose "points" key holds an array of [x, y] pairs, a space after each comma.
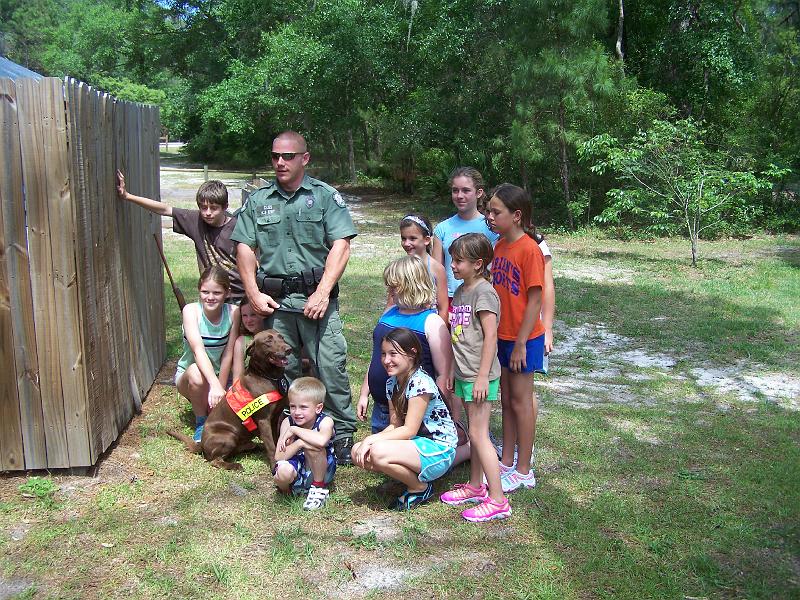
{"points": [[325, 344]]}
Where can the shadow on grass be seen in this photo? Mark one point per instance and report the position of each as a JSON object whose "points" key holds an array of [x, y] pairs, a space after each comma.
{"points": [[790, 255], [635, 257], [710, 326], [686, 517]]}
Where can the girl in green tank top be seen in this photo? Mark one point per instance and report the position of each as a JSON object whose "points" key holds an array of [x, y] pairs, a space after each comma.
{"points": [[209, 332]]}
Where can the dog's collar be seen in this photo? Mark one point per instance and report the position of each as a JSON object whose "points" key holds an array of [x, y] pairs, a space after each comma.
{"points": [[282, 384]]}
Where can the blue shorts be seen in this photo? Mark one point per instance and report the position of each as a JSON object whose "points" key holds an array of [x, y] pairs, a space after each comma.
{"points": [[380, 417], [302, 482], [436, 458], [534, 354]]}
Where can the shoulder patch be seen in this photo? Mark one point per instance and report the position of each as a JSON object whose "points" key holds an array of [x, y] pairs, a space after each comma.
{"points": [[337, 197]]}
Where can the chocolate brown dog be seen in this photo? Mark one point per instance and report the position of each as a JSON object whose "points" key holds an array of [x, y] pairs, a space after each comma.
{"points": [[264, 386]]}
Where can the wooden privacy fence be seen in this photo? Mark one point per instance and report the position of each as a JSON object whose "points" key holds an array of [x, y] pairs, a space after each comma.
{"points": [[81, 286]]}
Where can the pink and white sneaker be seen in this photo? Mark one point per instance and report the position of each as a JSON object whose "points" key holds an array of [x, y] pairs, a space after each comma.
{"points": [[463, 493], [513, 480], [504, 471], [488, 510]]}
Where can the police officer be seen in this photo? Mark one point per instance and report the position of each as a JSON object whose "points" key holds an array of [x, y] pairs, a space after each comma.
{"points": [[300, 226]]}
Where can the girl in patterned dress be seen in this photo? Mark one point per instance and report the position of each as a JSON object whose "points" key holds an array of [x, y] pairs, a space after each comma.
{"points": [[419, 445]]}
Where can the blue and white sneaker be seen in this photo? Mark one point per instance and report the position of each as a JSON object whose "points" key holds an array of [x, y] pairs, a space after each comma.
{"points": [[200, 423], [410, 500]]}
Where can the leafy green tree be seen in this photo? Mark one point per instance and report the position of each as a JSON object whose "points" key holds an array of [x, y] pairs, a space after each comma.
{"points": [[670, 178], [561, 77], [26, 27]]}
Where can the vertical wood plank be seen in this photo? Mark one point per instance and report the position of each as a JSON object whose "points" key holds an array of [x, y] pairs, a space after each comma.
{"points": [[103, 407], [65, 307], [11, 448], [120, 351], [41, 245], [129, 292], [158, 331], [26, 351], [77, 103]]}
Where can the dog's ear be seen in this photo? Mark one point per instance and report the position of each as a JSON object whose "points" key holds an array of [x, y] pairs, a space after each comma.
{"points": [[249, 350]]}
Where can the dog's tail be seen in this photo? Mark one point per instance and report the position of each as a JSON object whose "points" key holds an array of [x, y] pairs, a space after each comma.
{"points": [[191, 445]]}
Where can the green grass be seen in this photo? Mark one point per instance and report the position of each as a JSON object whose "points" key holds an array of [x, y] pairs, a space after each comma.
{"points": [[651, 486]]}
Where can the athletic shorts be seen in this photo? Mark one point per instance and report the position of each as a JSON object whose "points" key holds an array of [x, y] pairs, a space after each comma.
{"points": [[534, 354], [463, 390], [436, 458], [178, 374]]}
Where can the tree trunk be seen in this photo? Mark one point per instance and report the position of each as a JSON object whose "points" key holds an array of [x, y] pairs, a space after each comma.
{"points": [[589, 207], [378, 145], [692, 225], [365, 133], [523, 175], [351, 156], [620, 29], [563, 163]]}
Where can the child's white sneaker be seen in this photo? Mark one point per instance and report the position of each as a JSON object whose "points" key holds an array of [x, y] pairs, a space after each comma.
{"points": [[513, 480], [317, 497]]}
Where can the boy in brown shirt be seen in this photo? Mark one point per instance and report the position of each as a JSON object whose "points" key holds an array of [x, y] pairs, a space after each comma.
{"points": [[210, 227]]}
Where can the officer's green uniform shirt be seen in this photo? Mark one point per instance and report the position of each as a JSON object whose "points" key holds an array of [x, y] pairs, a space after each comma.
{"points": [[293, 233]]}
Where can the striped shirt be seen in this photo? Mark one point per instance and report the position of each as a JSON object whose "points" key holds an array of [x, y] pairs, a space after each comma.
{"points": [[215, 338]]}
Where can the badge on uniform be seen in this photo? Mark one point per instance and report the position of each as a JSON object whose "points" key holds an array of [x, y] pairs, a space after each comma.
{"points": [[337, 197], [309, 202]]}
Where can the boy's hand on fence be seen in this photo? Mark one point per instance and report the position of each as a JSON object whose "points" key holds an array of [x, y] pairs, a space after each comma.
{"points": [[120, 184]]}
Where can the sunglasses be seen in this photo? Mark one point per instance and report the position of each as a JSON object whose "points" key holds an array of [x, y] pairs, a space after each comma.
{"points": [[287, 156]]}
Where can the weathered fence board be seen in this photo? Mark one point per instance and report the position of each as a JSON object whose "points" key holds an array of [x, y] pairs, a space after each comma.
{"points": [[66, 307], [40, 239], [81, 287], [26, 362], [11, 286]]}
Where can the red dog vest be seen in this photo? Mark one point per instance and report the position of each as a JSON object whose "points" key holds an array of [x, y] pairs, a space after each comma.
{"points": [[244, 405]]}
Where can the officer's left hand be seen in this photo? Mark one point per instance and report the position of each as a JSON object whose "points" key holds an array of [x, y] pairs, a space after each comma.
{"points": [[316, 305]]}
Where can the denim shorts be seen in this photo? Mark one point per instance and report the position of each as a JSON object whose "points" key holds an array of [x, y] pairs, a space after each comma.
{"points": [[380, 417], [436, 458], [534, 354]]}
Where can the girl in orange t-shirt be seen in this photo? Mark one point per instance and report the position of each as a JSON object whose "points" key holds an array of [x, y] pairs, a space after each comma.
{"points": [[518, 278]]}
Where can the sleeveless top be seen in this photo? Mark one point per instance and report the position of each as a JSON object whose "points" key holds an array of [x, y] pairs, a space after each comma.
{"points": [[215, 338], [392, 319], [435, 304], [248, 339], [315, 427]]}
